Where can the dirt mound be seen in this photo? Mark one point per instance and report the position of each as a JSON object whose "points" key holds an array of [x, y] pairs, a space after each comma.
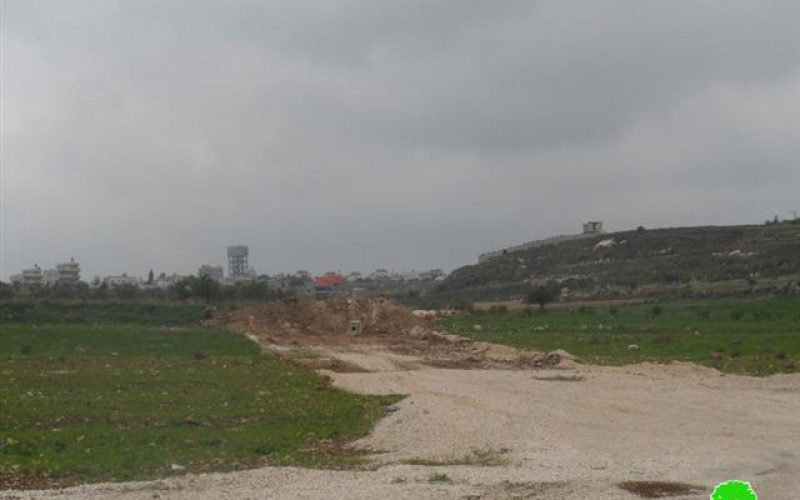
{"points": [[323, 321], [362, 323]]}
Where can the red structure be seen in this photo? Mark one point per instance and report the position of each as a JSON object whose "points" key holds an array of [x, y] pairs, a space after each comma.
{"points": [[329, 280]]}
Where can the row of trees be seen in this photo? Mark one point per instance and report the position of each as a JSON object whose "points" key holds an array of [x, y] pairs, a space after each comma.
{"points": [[191, 288], [208, 290]]}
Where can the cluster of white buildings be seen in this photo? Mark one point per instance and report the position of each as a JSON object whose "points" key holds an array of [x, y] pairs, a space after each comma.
{"points": [[396, 276], [160, 282], [239, 270], [69, 273], [66, 273]]}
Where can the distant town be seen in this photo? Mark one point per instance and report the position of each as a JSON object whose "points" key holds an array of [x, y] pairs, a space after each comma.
{"points": [[239, 272]]}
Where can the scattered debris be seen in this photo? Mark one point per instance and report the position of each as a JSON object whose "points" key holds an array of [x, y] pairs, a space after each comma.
{"points": [[659, 489], [10, 480], [292, 327], [605, 244], [735, 253], [355, 328], [560, 378], [508, 489], [190, 420]]}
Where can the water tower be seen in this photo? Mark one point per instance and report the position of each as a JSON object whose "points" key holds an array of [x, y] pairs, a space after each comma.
{"points": [[237, 261]]}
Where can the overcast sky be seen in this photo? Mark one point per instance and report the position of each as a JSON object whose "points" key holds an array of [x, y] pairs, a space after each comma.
{"points": [[405, 134]]}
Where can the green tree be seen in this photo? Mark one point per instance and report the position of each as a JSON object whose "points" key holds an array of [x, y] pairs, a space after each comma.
{"points": [[206, 288], [6, 291], [544, 294], [182, 290], [126, 291]]}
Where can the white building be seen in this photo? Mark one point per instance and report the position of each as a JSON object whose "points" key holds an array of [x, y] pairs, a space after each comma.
{"points": [[163, 281], [124, 279], [354, 276], [593, 227], [379, 275], [216, 273], [69, 272], [31, 277], [50, 277]]}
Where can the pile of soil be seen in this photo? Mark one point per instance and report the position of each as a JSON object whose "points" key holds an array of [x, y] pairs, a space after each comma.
{"points": [[321, 322], [382, 324]]}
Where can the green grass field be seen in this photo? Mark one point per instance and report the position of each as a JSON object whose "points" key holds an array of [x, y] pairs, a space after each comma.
{"points": [[758, 337], [85, 402], [147, 313]]}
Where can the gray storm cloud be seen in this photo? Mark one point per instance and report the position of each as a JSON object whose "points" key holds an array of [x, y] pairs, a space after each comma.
{"points": [[357, 134]]}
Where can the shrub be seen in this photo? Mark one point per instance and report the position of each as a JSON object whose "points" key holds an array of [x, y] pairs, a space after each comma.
{"points": [[761, 315], [464, 306], [439, 478], [544, 294], [498, 309], [657, 310]]}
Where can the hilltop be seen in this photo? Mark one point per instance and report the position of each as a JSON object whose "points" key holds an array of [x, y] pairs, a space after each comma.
{"points": [[643, 263]]}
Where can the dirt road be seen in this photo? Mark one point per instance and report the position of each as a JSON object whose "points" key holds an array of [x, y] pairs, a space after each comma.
{"points": [[568, 432], [547, 434]]}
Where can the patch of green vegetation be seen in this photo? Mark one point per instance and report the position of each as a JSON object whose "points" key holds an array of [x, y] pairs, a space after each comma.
{"points": [[671, 262], [486, 458], [734, 490], [63, 311], [757, 337], [74, 341], [439, 478], [86, 403]]}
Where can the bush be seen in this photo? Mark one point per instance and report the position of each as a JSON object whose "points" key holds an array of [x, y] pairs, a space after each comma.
{"points": [[464, 306], [761, 315], [544, 294], [737, 314], [657, 310], [498, 309]]}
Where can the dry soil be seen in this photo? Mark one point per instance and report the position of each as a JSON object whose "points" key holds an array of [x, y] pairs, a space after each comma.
{"points": [[568, 431]]}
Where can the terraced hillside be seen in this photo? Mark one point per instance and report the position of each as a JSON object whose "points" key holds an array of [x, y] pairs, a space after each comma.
{"points": [[674, 262]]}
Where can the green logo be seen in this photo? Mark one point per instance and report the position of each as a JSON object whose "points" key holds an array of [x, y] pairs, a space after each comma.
{"points": [[734, 490]]}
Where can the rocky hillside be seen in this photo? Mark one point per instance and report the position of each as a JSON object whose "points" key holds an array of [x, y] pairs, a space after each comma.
{"points": [[689, 261]]}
